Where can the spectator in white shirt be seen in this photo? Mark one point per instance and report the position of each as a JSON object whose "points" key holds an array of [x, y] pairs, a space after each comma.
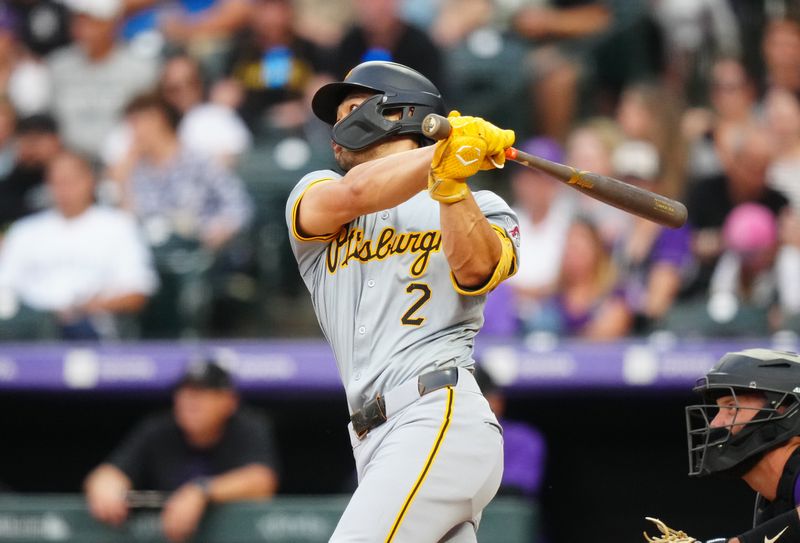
{"points": [[545, 212], [80, 262]]}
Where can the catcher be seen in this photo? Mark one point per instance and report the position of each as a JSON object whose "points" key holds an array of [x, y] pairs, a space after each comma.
{"points": [[748, 426]]}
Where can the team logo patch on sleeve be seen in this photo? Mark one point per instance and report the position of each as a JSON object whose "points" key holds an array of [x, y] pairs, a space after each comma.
{"points": [[513, 231]]}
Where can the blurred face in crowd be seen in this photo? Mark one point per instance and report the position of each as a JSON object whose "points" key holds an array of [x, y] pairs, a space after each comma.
{"points": [[95, 36], [377, 14], [202, 413], [633, 116], [587, 151], [748, 169], [582, 253], [732, 93], [150, 129], [272, 20], [37, 148], [181, 84], [781, 48], [782, 111], [71, 184], [534, 191]]}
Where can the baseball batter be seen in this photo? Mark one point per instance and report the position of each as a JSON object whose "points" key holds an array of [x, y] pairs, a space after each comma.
{"points": [[398, 255]]}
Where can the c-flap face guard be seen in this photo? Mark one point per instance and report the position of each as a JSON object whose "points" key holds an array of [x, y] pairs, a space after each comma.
{"points": [[366, 125]]}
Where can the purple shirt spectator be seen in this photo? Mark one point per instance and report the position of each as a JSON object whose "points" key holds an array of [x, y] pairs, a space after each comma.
{"points": [[671, 246], [498, 313], [524, 453]]}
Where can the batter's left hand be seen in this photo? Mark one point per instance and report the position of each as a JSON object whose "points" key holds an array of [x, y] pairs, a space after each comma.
{"points": [[183, 511], [497, 139], [473, 145]]}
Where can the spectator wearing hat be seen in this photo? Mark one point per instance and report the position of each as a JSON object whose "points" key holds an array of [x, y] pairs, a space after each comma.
{"points": [[22, 192], [653, 261], [78, 262], [97, 76], [752, 288], [207, 450]]}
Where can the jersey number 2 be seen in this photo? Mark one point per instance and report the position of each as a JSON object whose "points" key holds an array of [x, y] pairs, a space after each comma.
{"points": [[408, 317]]}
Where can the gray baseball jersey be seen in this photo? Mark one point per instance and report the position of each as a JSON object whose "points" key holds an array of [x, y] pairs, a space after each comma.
{"points": [[383, 293]]}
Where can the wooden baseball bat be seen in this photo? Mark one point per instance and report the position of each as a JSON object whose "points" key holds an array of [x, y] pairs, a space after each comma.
{"points": [[612, 191]]}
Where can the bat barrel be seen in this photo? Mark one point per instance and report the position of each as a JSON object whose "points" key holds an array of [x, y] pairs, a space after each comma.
{"points": [[614, 192]]}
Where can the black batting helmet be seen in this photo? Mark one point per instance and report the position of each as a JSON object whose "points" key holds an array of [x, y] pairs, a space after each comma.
{"points": [[395, 88], [735, 448]]}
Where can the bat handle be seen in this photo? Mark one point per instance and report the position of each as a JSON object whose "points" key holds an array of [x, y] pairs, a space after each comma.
{"points": [[436, 127]]}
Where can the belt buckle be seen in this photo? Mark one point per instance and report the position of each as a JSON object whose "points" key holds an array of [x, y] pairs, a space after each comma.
{"points": [[372, 415]]}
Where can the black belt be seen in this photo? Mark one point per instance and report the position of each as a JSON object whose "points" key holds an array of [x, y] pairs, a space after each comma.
{"points": [[373, 414]]}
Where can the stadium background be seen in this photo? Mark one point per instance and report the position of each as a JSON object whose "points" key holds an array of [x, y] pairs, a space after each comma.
{"points": [[609, 402]]}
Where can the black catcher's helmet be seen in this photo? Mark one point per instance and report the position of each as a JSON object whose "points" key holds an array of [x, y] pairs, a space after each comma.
{"points": [[735, 448], [396, 88]]}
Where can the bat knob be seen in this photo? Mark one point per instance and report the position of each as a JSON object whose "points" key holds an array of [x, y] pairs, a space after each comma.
{"points": [[436, 127]]}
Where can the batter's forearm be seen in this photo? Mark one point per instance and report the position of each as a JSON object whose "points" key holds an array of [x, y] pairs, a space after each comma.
{"points": [[389, 181], [470, 243], [379, 184]]}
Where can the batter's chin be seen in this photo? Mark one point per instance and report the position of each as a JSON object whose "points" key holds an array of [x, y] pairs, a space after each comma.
{"points": [[347, 159]]}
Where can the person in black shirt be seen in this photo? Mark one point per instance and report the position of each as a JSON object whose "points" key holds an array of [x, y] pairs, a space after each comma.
{"points": [[381, 34], [207, 450], [272, 64], [22, 191]]}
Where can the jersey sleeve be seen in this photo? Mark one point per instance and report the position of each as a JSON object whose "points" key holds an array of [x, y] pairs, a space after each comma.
{"points": [[505, 223], [500, 215], [306, 248]]}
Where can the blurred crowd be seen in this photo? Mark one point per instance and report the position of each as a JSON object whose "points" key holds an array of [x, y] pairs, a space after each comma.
{"points": [[147, 148]]}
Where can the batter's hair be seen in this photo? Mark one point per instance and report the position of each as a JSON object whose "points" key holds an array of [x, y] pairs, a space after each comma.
{"points": [[152, 101]]}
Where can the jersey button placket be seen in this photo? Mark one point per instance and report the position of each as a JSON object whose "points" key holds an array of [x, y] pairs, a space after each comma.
{"points": [[362, 330], [371, 283]]}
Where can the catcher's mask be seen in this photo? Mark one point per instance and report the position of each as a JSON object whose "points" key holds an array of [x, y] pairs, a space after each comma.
{"points": [[733, 448], [396, 88]]}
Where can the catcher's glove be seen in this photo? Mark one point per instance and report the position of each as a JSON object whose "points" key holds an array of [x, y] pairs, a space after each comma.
{"points": [[668, 535]]}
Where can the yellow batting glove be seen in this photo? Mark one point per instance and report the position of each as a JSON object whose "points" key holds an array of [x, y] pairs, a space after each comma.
{"points": [[454, 160], [473, 145], [497, 139]]}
